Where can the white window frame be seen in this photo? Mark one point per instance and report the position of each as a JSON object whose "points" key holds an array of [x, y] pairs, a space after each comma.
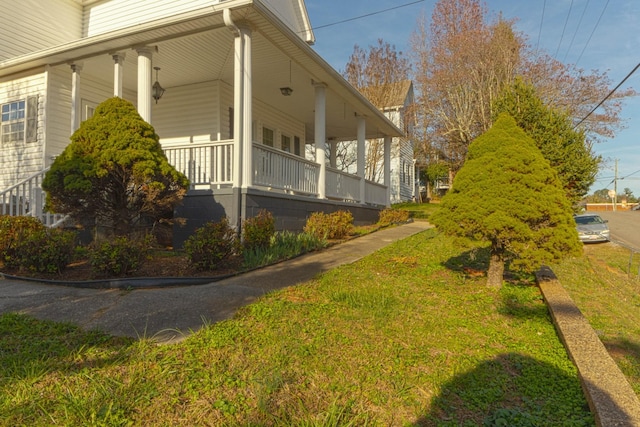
{"points": [[265, 140], [88, 108], [285, 143], [19, 124]]}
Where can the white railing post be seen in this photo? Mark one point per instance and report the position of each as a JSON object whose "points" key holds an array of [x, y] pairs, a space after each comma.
{"points": [[36, 203], [320, 135], [361, 157]]}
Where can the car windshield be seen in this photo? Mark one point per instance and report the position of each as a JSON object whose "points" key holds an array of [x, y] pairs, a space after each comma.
{"points": [[586, 220]]}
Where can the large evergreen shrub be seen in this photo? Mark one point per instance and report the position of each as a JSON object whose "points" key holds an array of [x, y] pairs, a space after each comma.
{"points": [[508, 195], [115, 171]]}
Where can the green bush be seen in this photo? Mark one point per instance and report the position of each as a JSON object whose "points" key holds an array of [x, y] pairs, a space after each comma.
{"points": [[43, 251], [119, 257], [336, 225], [212, 244], [393, 216], [258, 231], [15, 229]]}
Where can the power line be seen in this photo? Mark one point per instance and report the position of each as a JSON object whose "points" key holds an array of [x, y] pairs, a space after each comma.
{"points": [[608, 95], [564, 28], [544, 6], [367, 15], [592, 32], [576, 32]]}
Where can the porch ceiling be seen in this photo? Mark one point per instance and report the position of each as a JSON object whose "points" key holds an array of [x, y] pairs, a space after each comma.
{"points": [[198, 47]]}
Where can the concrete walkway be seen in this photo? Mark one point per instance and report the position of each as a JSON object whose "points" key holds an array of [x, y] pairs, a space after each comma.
{"points": [[169, 314]]}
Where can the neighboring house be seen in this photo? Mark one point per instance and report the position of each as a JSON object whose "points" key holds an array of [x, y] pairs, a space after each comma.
{"points": [[245, 94], [398, 98], [403, 174]]}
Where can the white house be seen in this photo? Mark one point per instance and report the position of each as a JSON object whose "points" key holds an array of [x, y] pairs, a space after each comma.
{"points": [[402, 164], [244, 95]]}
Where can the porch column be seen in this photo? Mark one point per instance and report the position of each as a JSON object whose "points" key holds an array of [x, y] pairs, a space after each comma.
{"points": [[76, 113], [387, 168], [361, 157], [118, 63], [320, 136], [247, 117], [144, 82]]}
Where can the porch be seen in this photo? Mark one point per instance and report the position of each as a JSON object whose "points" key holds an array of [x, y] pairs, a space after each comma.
{"points": [[245, 96], [210, 165]]}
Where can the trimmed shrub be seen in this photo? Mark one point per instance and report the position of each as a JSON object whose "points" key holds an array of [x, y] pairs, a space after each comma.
{"points": [[43, 251], [212, 244], [258, 231], [119, 257], [336, 225], [393, 216], [15, 229]]}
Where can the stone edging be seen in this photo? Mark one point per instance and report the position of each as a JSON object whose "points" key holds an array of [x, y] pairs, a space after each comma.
{"points": [[126, 282], [611, 398]]}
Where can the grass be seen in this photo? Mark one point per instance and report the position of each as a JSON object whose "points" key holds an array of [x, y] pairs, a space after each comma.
{"points": [[607, 291], [418, 210], [402, 337]]}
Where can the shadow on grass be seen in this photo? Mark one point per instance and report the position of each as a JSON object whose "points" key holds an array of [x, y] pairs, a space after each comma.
{"points": [[34, 351], [485, 396], [473, 260]]}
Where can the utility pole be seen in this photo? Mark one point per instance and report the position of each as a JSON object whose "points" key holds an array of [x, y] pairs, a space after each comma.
{"points": [[615, 186]]}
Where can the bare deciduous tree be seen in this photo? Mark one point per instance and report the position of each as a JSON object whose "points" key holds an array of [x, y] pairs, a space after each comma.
{"points": [[379, 74], [463, 62]]}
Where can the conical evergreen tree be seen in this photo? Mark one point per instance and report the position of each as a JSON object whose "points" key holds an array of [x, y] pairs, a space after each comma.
{"points": [[114, 170], [507, 194]]}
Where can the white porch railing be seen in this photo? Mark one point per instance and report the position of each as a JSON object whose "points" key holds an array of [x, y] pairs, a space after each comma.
{"points": [[278, 169], [26, 198], [342, 186], [375, 194], [211, 164], [208, 163]]}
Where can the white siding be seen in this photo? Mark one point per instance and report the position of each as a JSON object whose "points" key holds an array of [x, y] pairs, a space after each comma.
{"points": [[58, 126], [266, 116], [116, 14], [201, 112], [31, 25], [188, 113], [290, 12], [20, 160]]}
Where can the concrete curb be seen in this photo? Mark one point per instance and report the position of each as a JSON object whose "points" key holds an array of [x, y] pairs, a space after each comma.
{"points": [[611, 398]]}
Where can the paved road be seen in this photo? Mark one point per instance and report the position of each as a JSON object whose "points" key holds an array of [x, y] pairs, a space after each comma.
{"points": [[624, 226]]}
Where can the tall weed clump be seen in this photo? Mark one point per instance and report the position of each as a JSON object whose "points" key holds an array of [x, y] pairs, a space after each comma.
{"points": [[258, 231], [26, 244], [284, 245], [336, 225], [212, 244]]}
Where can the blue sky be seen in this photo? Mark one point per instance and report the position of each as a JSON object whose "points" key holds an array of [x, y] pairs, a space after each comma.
{"points": [[597, 37]]}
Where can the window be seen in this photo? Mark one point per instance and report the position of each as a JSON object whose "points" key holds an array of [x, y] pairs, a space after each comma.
{"points": [[296, 145], [88, 109], [18, 120], [286, 143], [267, 136]]}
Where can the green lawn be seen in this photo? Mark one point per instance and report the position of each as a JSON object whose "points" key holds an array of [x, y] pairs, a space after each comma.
{"points": [[605, 285], [402, 337]]}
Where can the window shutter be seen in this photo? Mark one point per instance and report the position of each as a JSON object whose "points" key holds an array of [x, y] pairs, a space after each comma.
{"points": [[31, 126]]}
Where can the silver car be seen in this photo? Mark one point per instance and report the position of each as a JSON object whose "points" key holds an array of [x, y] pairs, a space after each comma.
{"points": [[592, 228]]}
